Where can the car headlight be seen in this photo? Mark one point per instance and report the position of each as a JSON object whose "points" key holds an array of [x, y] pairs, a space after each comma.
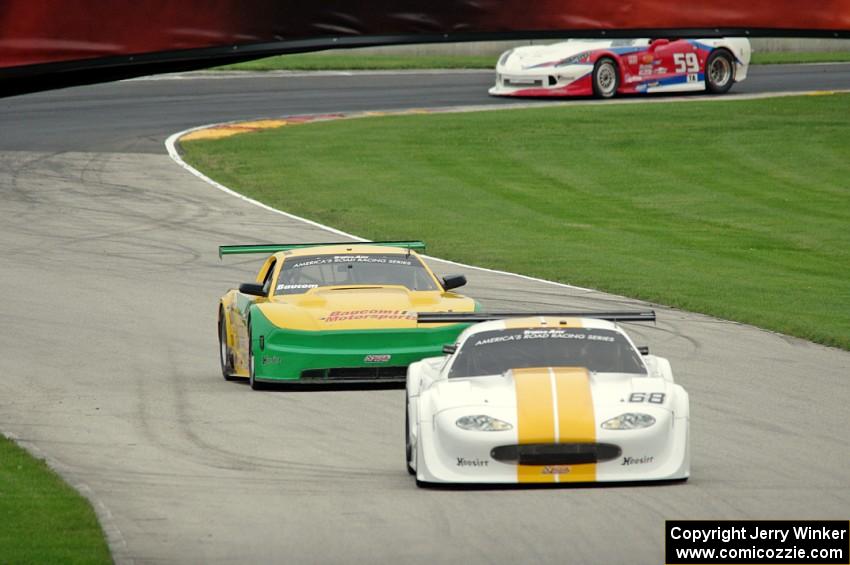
{"points": [[629, 421], [504, 58], [482, 423]]}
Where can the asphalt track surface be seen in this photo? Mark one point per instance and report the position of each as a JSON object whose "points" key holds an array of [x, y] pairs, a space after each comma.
{"points": [[108, 361]]}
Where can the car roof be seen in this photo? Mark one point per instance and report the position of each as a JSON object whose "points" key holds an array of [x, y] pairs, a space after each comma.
{"points": [[344, 249]]}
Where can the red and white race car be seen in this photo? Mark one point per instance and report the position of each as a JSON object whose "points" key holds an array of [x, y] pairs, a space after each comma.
{"points": [[604, 68]]}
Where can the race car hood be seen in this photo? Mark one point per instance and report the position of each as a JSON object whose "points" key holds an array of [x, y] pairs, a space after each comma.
{"points": [[604, 391], [363, 307], [524, 58]]}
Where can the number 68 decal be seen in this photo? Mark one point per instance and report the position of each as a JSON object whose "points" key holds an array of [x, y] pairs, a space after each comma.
{"points": [[653, 397], [686, 62]]}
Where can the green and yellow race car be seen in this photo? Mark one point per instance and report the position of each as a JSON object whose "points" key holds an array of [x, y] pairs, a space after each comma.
{"points": [[329, 312]]}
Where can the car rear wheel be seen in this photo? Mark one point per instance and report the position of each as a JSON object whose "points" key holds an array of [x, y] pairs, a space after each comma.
{"points": [[606, 78], [225, 355], [719, 72]]}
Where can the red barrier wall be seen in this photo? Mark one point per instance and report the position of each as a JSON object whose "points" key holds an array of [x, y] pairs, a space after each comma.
{"points": [[33, 31], [43, 37]]}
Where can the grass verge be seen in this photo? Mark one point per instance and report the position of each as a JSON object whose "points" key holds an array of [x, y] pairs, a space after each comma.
{"points": [[330, 61], [738, 209], [778, 58], [44, 520], [353, 62]]}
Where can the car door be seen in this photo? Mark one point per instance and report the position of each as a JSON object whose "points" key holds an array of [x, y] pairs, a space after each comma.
{"points": [[638, 66]]}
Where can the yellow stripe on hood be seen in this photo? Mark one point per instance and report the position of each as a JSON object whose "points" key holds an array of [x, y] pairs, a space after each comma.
{"points": [[535, 417], [576, 419], [554, 405]]}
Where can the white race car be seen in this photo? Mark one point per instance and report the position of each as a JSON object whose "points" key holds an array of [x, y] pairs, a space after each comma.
{"points": [[604, 67], [545, 399]]}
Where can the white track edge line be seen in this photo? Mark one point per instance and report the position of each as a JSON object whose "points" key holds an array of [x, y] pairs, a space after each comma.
{"points": [[209, 74], [114, 538], [171, 145]]}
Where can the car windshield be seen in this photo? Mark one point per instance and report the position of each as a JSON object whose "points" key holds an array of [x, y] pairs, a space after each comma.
{"points": [[614, 42], [494, 352], [627, 42], [299, 274]]}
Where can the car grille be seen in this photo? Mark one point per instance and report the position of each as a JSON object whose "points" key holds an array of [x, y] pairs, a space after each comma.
{"points": [[356, 374], [556, 453]]}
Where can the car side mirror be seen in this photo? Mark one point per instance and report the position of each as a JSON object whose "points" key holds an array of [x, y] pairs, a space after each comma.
{"points": [[643, 350], [449, 348], [453, 281], [253, 289], [658, 43]]}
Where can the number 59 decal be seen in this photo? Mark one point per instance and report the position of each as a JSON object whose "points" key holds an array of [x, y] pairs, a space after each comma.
{"points": [[686, 62], [653, 397]]}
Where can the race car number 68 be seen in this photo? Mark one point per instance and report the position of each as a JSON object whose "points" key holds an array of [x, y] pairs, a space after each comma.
{"points": [[653, 397]]}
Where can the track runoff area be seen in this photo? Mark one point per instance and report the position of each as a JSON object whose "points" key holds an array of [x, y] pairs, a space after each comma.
{"points": [[685, 541], [163, 441]]}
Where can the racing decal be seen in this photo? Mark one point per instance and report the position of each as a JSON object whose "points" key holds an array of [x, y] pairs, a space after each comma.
{"points": [[340, 259], [637, 460], [374, 314], [652, 397], [472, 462], [686, 62], [518, 323], [374, 358], [296, 286], [554, 405], [671, 80]]}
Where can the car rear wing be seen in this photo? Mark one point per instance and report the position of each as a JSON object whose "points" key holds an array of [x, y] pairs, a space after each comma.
{"points": [[474, 317], [269, 248]]}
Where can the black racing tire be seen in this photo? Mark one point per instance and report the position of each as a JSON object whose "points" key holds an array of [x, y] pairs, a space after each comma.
{"points": [[408, 449], [606, 78], [719, 71], [254, 383], [225, 356]]}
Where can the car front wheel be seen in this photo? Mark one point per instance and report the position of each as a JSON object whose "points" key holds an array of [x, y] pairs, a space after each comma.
{"points": [[408, 448], [606, 78], [225, 356]]}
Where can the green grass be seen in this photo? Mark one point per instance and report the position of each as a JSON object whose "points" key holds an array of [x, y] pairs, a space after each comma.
{"points": [[739, 209], [330, 61], [334, 61], [43, 519], [812, 57]]}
